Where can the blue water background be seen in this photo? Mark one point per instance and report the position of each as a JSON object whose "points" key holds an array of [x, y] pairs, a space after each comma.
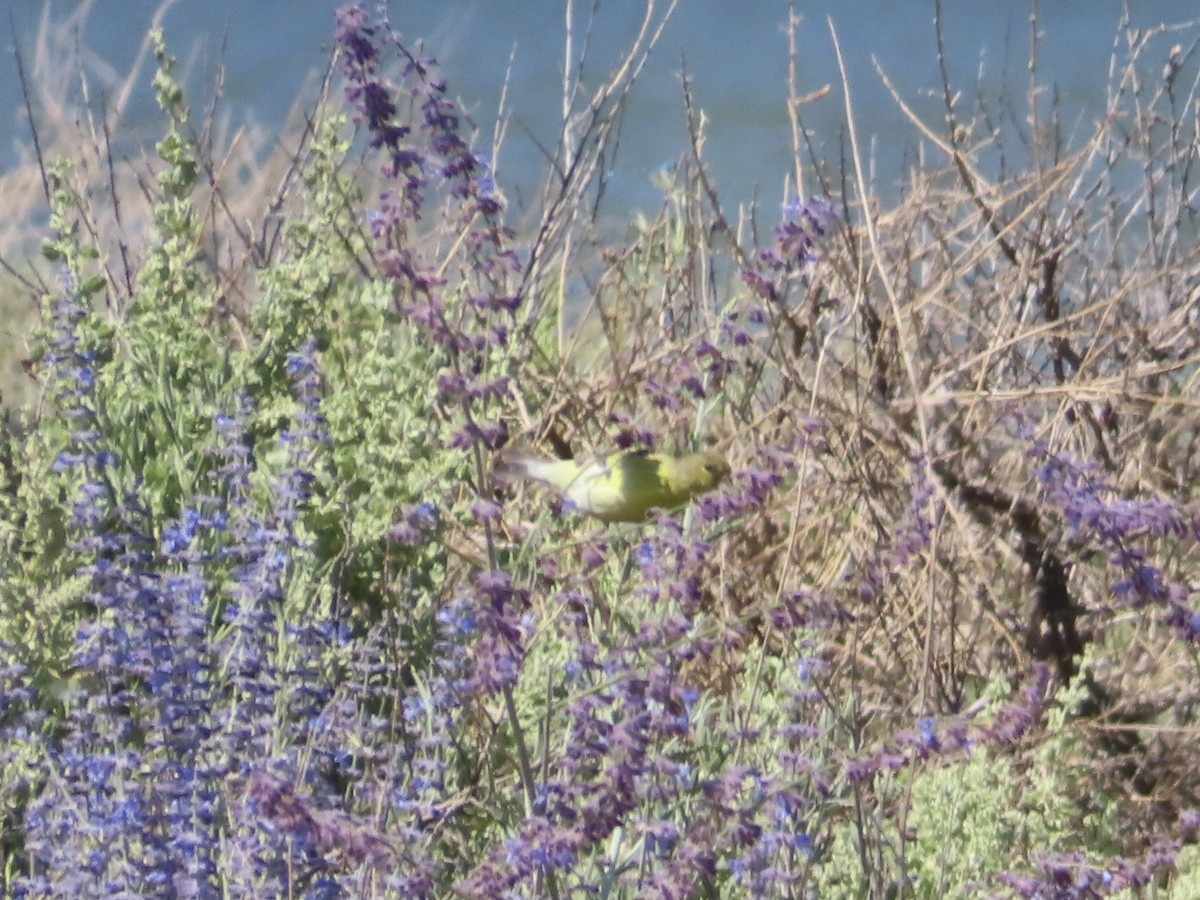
{"points": [[735, 54]]}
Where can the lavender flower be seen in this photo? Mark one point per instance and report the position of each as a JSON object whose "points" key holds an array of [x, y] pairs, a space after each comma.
{"points": [[1119, 526], [797, 236], [1072, 876], [128, 812]]}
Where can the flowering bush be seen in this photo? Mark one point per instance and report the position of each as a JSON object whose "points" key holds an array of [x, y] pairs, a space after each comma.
{"points": [[268, 626]]}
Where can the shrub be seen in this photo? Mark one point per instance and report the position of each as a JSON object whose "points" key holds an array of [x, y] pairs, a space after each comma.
{"points": [[270, 626]]}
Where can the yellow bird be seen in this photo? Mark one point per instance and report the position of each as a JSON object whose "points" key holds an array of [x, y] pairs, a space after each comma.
{"points": [[624, 486]]}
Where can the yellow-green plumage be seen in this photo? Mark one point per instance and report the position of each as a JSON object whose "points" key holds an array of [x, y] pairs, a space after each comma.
{"points": [[625, 486]]}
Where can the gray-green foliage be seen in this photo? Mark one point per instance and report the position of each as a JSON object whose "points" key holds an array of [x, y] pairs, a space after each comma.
{"points": [[966, 821]]}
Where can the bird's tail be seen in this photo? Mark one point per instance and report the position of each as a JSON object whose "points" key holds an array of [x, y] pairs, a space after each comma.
{"points": [[516, 462]]}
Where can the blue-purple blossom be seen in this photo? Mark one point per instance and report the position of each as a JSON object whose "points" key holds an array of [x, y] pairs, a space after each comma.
{"points": [[797, 240], [1122, 528]]}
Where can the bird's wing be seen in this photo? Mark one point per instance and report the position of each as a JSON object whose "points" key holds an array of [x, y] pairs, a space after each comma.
{"points": [[597, 487], [622, 487]]}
